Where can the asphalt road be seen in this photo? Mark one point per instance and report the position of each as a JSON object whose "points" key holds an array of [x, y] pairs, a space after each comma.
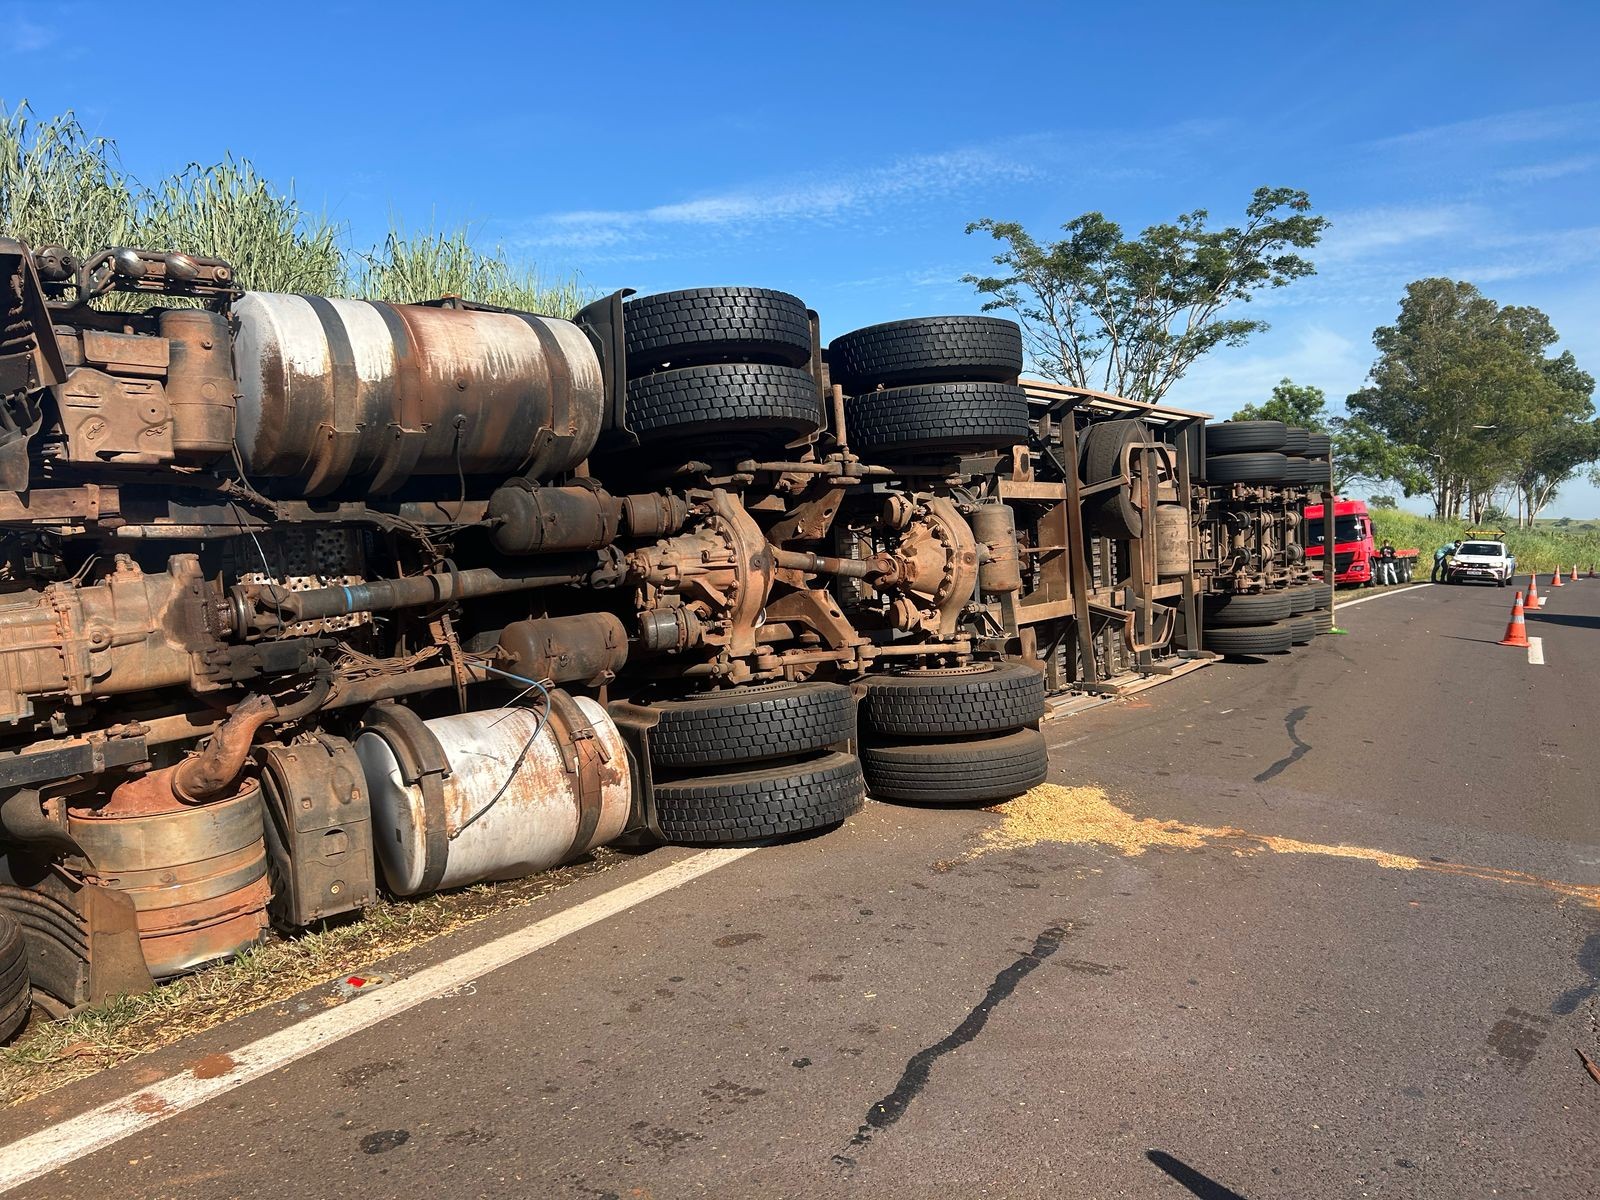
{"points": [[883, 1012]]}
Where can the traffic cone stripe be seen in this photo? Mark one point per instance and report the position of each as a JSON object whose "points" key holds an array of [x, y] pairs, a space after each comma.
{"points": [[1555, 579], [1533, 591], [1517, 630]]}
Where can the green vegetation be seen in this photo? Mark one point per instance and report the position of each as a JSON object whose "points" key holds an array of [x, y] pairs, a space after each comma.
{"points": [[59, 186], [1360, 452], [1542, 548], [1136, 313], [1476, 410]]}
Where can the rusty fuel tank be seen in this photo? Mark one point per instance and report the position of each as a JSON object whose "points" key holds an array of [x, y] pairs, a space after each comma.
{"points": [[197, 874], [356, 391]]}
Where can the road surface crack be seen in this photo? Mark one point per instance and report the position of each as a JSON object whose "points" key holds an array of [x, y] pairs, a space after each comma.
{"points": [[1301, 749]]}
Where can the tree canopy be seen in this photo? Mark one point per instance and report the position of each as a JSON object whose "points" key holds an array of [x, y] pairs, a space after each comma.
{"points": [[1130, 315], [1360, 452], [1465, 386]]}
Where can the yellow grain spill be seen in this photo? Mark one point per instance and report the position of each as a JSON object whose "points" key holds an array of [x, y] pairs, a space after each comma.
{"points": [[1087, 816]]}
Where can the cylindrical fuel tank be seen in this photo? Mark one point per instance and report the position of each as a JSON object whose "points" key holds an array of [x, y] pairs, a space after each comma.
{"points": [[1172, 541], [497, 794], [357, 391], [999, 565], [197, 876]]}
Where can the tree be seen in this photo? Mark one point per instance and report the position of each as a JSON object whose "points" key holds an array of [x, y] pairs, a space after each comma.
{"points": [[1130, 316], [1293, 404], [1382, 502], [1466, 385]]}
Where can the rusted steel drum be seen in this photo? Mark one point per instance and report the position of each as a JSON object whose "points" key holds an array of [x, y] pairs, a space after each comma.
{"points": [[1172, 541], [336, 392], [516, 795], [197, 876]]}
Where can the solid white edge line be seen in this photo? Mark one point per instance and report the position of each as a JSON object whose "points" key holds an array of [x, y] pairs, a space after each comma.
{"points": [[1536, 652], [50, 1149], [1381, 595]]}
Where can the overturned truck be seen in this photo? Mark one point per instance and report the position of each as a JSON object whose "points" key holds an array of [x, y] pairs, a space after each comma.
{"points": [[304, 598]]}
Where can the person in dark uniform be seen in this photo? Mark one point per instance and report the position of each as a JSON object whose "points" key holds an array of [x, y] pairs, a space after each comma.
{"points": [[1388, 567]]}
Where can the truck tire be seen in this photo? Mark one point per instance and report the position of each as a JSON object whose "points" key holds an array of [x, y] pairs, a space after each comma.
{"points": [[1256, 467], [16, 998], [938, 416], [1295, 439], [926, 350], [716, 324], [1302, 598], [1234, 437], [982, 771], [751, 404], [988, 698], [1318, 445], [1241, 611], [749, 725], [760, 802], [1302, 629], [1276, 638], [1113, 514]]}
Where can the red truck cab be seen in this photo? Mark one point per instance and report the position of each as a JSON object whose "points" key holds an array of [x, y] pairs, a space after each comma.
{"points": [[1353, 547]]}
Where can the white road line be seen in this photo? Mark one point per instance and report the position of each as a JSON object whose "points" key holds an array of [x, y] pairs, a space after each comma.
{"points": [[70, 1140], [1536, 651], [1379, 596]]}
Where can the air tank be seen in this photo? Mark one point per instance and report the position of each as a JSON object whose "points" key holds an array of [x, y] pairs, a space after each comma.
{"points": [[336, 392], [496, 794], [1173, 559]]}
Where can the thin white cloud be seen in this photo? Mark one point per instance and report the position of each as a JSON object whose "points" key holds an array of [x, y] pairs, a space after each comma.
{"points": [[786, 200], [1523, 125], [1312, 354], [1545, 171], [1527, 255], [1362, 233]]}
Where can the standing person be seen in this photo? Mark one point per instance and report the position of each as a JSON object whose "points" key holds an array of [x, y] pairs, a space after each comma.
{"points": [[1441, 560], [1386, 562]]}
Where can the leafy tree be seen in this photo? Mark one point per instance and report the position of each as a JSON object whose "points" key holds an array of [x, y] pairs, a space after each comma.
{"points": [[1466, 385], [1293, 404], [1130, 316], [1382, 502]]}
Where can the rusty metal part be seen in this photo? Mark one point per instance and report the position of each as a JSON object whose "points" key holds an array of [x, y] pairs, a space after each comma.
{"points": [[654, 514], [586, 648], [721, 569], [999, 565], [83, 940], [318, 829], [937, 558], [200, 776], [337, 391], [436, 587], [113, 404], [200, 387], [497, 794], [197, 876], [1173, 556], [806, 563], [129, 633], [129, 269], [529, 519]]}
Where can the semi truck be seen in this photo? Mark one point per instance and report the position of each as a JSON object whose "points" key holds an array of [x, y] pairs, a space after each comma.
{"points": [[1353, 544]]}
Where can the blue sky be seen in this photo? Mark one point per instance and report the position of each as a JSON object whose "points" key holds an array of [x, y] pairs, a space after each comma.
{"points": [[838, 150]]}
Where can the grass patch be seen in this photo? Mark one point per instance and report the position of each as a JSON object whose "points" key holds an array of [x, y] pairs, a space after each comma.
{"points": [[54, 1053]]}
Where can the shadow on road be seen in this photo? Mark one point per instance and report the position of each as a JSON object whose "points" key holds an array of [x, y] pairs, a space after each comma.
{"points": [[1582, 622], [1200, 1185]]}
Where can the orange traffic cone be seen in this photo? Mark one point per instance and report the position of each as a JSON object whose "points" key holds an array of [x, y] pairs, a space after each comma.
{"points": [[1517, 630], [1574, 578], [1555, 579], [1533, 591]]}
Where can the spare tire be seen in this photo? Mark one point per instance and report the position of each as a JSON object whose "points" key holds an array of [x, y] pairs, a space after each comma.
{"points": [[1277, 638], [938, 416], [1246, 468], [716, 324], [1233, 611], [1112, 514], [987, 698], [1233, 437], [761, 802], [736, 405], [748, 724], [16, 998], [981, 771], [926, 350]]}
